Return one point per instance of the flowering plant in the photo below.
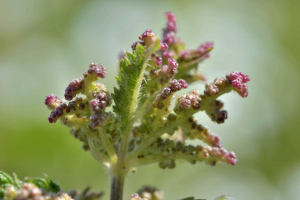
(143, 127)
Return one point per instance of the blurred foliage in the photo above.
(45, 44)
(43, 183)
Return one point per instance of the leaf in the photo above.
(5, 179)
(53, 187)
(46, 184)
(17, 181)
(129, 77)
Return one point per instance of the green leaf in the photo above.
(46, 184)
(5, 179)
(2, 193)
(53, 187)
(17, 181)
(129, 77)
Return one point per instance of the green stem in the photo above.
(105, 143)
(108, 146)
(100, 157)
(117, 185)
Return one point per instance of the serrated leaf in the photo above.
(17, 181)
(131, 68)
(46, 184)
(5, 179)
(131, 75)
(39, 182)
(53, 187)
(2, 193)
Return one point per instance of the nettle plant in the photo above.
(144, 128)
(148, 123)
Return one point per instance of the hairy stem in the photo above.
(117, 185)
(100, 157)
(107, 144)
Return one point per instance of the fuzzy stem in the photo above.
(108, 146)
(117, 185)
(100, 157)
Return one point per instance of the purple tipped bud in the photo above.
(238, 80)
(146, 34)
(158, 61)
(167, 54)
(171, 24)
(185, 104)
(147, 37)
(172, 63)
(164, 69)
(183, 83)
(185, 54)
(97, 120)
(98, 70)
(74, 88)
(52, 101)
(203, 48)
(169, 38)
(167, 91)
(163, 46)
(133, 46)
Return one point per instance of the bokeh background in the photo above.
(45, 44)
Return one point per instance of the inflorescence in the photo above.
(144, 127)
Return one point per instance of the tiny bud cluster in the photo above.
(101, 101)
(238, 80)
(176, 85)
(98, 70)
(58, 112)
(136, 197)
(97, 120)
(171, 29)
(163, 46)
(211, 89)
(171, 22)
(147, 39)
(158, 61)
(203, 48)
(74, 88)
(171, 69)
(197, 131)
(187, 100)
(219, 154)
(155, 61)
(167, 54)
(53, 101)
(151, 193)
(169, 38)
(30, 191)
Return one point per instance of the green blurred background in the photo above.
(45, 44)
